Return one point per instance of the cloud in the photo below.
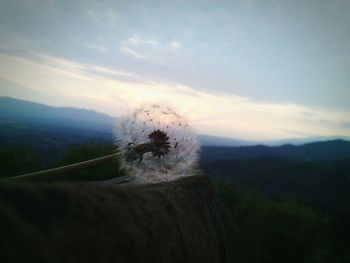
(346, 125)
(174, 45)
(95, 47)
(103, 89)
(137, 41)
(148, 49)
(132, 52)
(113, 74)
(268, 50)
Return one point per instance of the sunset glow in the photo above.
(228, 82)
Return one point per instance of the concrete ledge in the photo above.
(180, 221)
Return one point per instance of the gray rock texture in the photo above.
(179, 221)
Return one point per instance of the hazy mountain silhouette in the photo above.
(16, 113)
(20, 111)
(11, 108)
(328, 150)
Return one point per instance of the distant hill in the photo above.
(209, 140)
(14, 109)
(19, 118)
(49, 131)
(328, 150)
(15, 112)
(305, 140)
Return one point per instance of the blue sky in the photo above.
(248, 69)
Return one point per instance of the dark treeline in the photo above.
(21, 159)
(269, 231)
(286, 209)
(321, 184)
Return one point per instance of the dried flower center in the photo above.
(158, 146)
(160, 142)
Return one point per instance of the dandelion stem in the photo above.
(66, 168)
(144, 148)
(139, 150)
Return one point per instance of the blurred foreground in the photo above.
(180, 221)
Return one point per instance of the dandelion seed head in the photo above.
(157, 143)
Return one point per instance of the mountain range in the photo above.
(18, 112)
(327, 150)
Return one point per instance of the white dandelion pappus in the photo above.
(157, 144)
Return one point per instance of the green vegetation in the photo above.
(86, 152)
(21, 160)
(284, 231)
(321, 184)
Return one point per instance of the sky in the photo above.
(252, 69)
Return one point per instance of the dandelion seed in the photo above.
(158, 145)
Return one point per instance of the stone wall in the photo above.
(180, 221)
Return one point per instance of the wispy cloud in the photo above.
(113, 74)
(213, 113)
(95, 47)
(137, 41)
(277, 51)
(132, 52)
(174, 45)
(150, 50)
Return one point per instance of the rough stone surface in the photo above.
(179, 221)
